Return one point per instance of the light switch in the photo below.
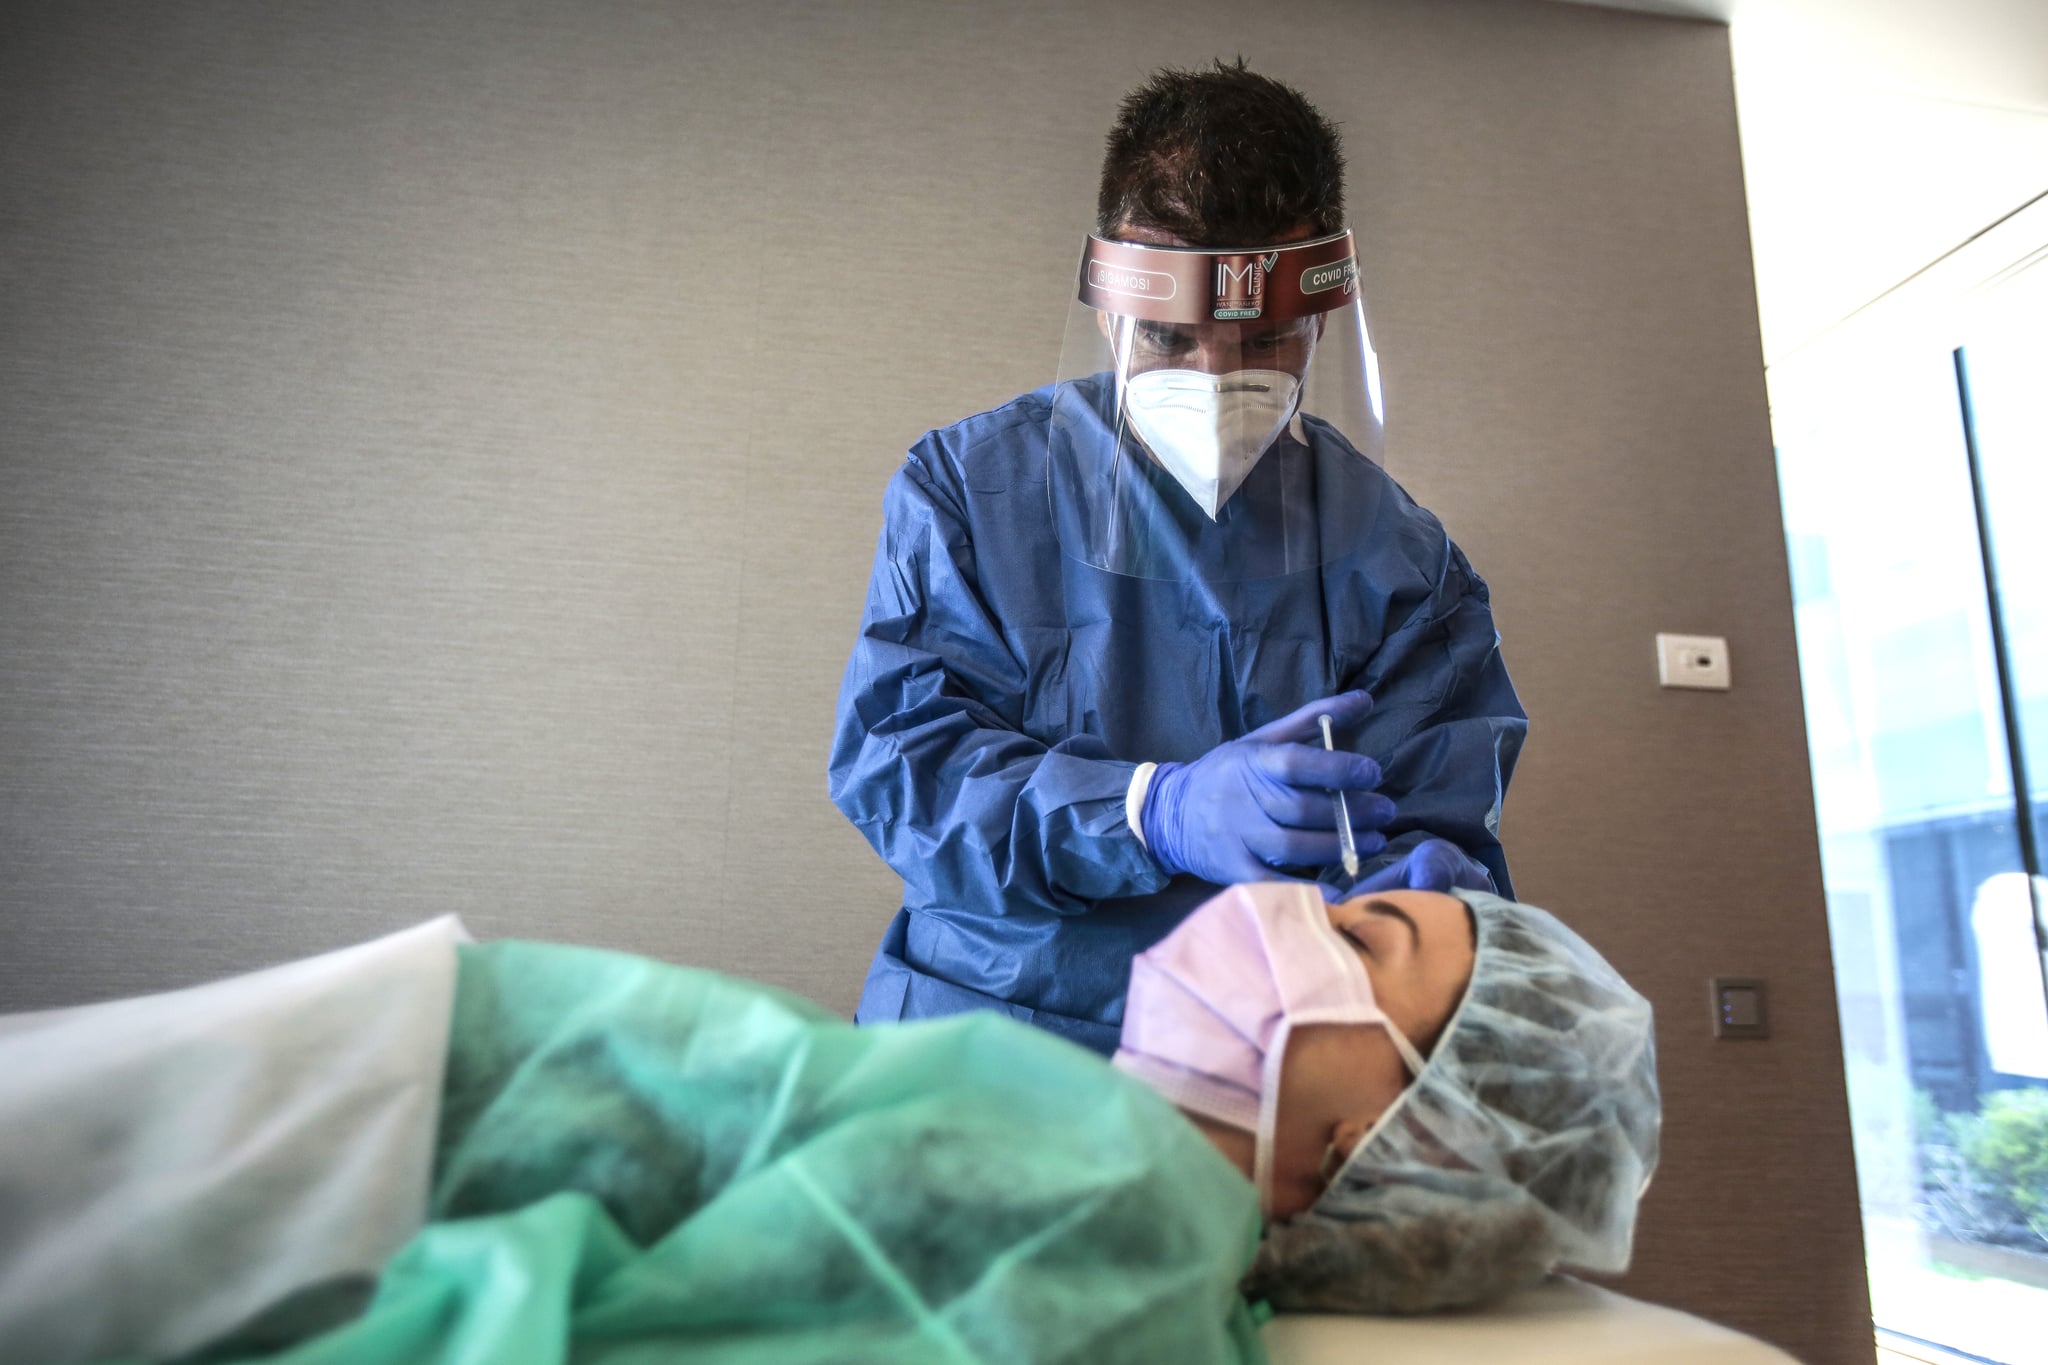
(1740, 1010)
(1692, 661)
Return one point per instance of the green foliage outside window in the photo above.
(1984, 1176)
(2007, 1149)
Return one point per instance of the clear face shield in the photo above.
(1217, 414)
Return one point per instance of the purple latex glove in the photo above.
(1432, 865)
(1254, 806)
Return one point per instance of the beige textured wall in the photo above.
(441, 451)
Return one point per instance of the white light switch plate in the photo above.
(1692, 661)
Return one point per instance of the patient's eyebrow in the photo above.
(1380, 907)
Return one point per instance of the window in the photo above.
(1913, 464)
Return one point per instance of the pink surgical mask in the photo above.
(1211, 1006)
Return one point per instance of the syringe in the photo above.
(1347, 843)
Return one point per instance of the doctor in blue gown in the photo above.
(1105, 618)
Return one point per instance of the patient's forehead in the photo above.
(1418, 948)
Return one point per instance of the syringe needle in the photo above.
(1347, 843)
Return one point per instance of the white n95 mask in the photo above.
(1208, 430)
(1212, 1004)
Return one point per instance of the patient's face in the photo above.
(1336, 1079)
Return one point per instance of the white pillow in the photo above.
(172, 1164)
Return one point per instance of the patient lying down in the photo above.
(1395, 1103)
(1439, 1098)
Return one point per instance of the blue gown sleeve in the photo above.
(1446, 725)
(930, 760)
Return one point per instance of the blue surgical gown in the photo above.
(1001, 694)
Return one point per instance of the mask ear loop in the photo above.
(1480, 954)
(1269, 1077)
(1276, 1054)
(1269, 1115)
(1410, 1057)
(1269, 1109)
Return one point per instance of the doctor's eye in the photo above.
(1162, 338)
(1273, 340)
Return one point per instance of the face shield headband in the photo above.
(1191, 286)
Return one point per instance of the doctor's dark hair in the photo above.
(1222, 157)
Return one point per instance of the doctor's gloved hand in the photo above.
(1432, 865)
(1252, 807)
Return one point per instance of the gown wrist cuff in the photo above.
(1134, 799)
